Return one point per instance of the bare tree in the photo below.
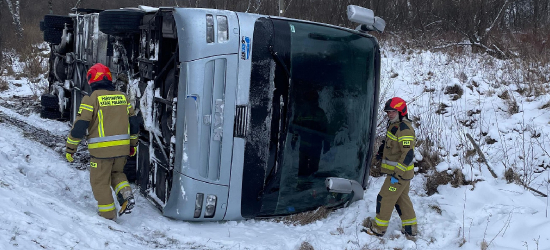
(14, 10)
(476, 20)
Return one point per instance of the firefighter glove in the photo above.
(394, 180)
(69, 157)
(133, 151)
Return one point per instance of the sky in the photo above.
(47, 203)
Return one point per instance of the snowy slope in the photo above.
(46, 203)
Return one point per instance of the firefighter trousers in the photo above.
(395, 195)
(104, 175)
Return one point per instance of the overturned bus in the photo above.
(242, 115)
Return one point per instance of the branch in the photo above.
(495, 21)
(451, 45)
(434, 22)
(454, 26)
(534, 190)
(75, 6)
(481, 154)
(491, 170)
(288, 5)
(258, 5)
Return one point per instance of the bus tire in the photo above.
(56, 21)
(50, 114)
(53, 35)
(120, 21)
(49, 101)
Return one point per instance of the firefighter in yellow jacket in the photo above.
(112, 128)
(397, 162)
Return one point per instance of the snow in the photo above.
(47, 203)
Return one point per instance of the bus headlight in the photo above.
(210, 206)
(198, 205)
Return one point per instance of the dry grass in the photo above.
(436, 208)
(306, 246)
(442, 109)
(484, 245)
(430, 158)
(31, 35)
(512, 104)
(34, 62)
(454, 91)
(511, 176)
(4, 85)
(490, 140)
(455, 178)
(305, 217)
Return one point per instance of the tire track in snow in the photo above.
(42, 136)
(46, 138)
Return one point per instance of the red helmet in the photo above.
(99, 72)
(397, 104)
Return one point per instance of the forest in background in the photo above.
(502, 28)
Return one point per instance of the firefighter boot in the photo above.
(126, 204)
(369, 229)
(410, 230)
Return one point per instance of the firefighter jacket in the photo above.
(112, 127)
(398, 156)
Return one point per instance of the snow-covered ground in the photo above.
(47, 203)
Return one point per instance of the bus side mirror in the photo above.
(345, 186)
(366, 18)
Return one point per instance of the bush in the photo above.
(454, 91)
(456, 178)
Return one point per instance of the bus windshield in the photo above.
(329, 113)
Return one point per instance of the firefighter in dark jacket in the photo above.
(112, 127)
(397, 162)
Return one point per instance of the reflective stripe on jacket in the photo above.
(109, 118)
(398, 155)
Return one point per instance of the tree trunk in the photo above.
(14, 11)
(282, 7)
